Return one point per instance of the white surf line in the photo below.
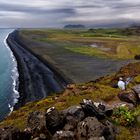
(14, 76)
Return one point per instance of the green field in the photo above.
(106, 43)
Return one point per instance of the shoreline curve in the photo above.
(37, 79)
(15, 77)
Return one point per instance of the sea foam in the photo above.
(14, 76)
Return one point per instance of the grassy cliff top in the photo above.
(99, 90)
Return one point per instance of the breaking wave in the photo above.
(15, 77)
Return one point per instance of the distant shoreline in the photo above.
(36, 79)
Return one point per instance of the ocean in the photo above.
(8, 76)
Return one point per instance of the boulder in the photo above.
(63, 135)
(120, 103)
(89, 128)
(73, 115)
(104, 108)
(41, 133)
(137, 57)
(73, 111)
(128, 96)
(70, 126)
(136, 89)
(93, 109)
(110, 130)
(11, 133)
(25, 135)
(54, 120)
(36, 119)
(109, 112)
(36, 123)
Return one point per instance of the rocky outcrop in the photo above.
(128, 96)
(64, 135)
(136, 89)
(137, 57)
(10, 133)
(36, 124)
(72, 116)
(90, 128)
(54, 120)
(86, 122)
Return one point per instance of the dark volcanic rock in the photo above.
(70, 124)
(54, 120)
(73, 115)
(136, 89)
(121, 103)
(137, 57)
(37, 124)
(110, 130)
(92, 109)
(74, 111)
(90, 128)
(128, 96)
(36, 119)
(11, 133)
(41, 133)
(63, 135)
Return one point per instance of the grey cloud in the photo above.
(46, 13)
(29, 9)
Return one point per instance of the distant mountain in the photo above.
(135, 26)
(70, 26)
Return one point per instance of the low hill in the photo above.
(70, 26)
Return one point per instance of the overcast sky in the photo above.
(57, 13)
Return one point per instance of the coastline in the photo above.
(36, 80)
(39, 77)
(15, 76)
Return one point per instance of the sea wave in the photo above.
(14, 76)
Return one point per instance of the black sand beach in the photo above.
(36, 80)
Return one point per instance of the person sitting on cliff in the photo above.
(121, 84)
